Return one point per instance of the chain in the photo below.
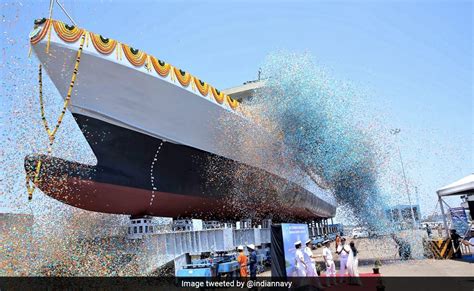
(52, 133)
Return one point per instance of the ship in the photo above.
(155, 129)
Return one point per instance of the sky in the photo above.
(412, 58)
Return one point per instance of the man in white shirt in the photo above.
(343, 252)
(330, 266)
(300, 265)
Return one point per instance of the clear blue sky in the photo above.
(414, 58)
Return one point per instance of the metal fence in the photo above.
(157, 249)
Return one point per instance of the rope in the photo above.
(52, 133)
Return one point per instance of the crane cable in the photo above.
(52, 133)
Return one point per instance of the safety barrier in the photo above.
(439, 248)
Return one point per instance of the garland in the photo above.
(202, 87)
(232, 102)
(44, 30)
(106, 46)
(162, 68)
(184, 78)
(52, 133)
(134, 56)
(218, 95)
(102, 44)
(68, 33)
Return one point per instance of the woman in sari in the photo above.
(353, 265)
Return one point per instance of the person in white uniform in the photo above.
(308, 260)
(300, 265)
(343, 251)
(330, 266)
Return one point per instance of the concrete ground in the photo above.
(385, 250)
(424, 268)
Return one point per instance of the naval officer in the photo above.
(308, 260)
(343, 251)
(300, 265)
(330, 266)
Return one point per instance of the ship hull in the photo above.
(154, 136)
(185, 182)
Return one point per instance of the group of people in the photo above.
(250, 262)
(305, 264)
(305, 260)
(348, 261)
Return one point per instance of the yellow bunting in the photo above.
(68, 33)
(232, 102)
(183, 77)
(103, 45)
(44, 30)
(218, 95)
(202, 87)
(162, 68)
(134, 56)
(52, 133)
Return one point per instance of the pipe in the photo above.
(440, 200)
(65, 12)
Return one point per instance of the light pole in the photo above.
(396, 131)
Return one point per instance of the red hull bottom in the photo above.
(108, 198)
(116, 199)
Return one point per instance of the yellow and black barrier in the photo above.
(439, 248)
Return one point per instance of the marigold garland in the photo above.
(68, 33)
(134, 56)
(218, 95)
(102, 44)
(183, 77)
(162, 68)
(44, 30)
(203, 87)
(52, 133)
(232, 102)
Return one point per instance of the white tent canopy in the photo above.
(460, 187)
